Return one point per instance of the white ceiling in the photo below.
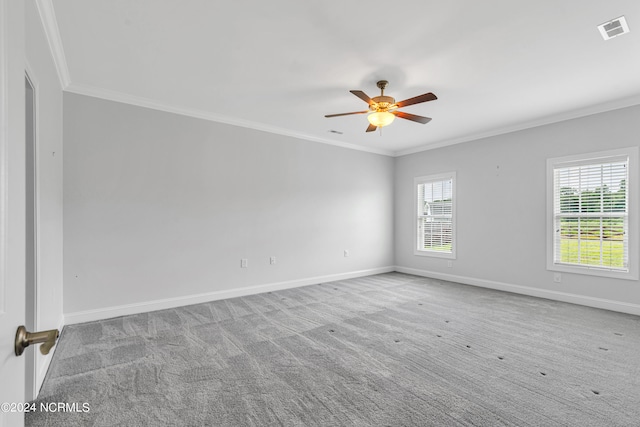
(281, 65)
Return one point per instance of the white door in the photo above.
(12, 208)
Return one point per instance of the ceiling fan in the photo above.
(383, 109)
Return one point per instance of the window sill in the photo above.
(593, 271)
(435, 254)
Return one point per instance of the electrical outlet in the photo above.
(346, 253)
(244, 263)
(449, 264)
(557, 277)
(272, 260)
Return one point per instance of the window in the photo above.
(435, 215)
(593, 218)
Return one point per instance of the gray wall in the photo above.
(49, 177)
(161, 206)
(501, 208)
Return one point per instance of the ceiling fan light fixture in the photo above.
(381, 118)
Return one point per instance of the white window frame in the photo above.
(633, 212)
(435, 178)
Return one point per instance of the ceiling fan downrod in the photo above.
(382, 85)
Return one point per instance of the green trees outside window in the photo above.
(592, 222)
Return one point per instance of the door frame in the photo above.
(32, 295)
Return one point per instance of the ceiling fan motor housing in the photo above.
(381, 103)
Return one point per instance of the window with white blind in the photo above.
(593, 218)
(435, 215)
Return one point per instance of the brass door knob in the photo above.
(24, 339)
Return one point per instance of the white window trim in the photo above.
(432, 178)
(633, 214)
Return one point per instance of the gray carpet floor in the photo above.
(385, 350)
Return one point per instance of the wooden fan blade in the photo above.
(371, 128)
(347, 114)
(360, 94)
(416, 100)
(412, 117)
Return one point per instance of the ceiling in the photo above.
(280, 66)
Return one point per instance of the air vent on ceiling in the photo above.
(614, 28)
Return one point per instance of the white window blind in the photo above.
(435, 214)
(591, 213)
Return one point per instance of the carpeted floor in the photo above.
(384, 350)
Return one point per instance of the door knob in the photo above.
(25, 339)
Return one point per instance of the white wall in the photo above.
(501, 209)
(49, 178)
(159, 208)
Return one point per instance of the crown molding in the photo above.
(52, 33)
(556, 118)
(110, 95)
(206, 115)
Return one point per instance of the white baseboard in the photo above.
(142, 307)
(43, 367)
(606, 304)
